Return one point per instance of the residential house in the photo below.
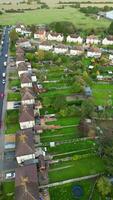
(26, 183)
(19, 59)
(26, 118)
(26, 80)
(25, 149)
(45, 46)
(94, 52)
(76, 50)
(40, 35)
(22, 68)
(53, 36)
(111, 59)
(60, 49)
(110, 56)
(23, 43)
(108, 40)
(19, 50)
(27, 95)
(21, 29)
(92, 39)
(74, 38)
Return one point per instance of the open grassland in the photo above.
(50, 15)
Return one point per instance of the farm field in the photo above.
(46, 16)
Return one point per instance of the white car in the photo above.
(5, 63)
(10, 175)
(6, 55)
(3, 81)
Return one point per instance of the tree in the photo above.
(110, 28)
(77, 88)
(64, 27)
(41, 54)
(106, 148)
(104, 186)
(86, 78)
(59, 103)
(87, 108)
(33, 29)
(13, 37)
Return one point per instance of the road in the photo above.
(4, 51)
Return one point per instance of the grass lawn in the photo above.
(49, 96)
(65, 192)
(43, 16)
(66, 121)
(14, 82)
(83, 167)
(12, 121)
(59, 135)
(75, 146)
(8, 190)
(50, 86)
(101, 93)
(14, 96)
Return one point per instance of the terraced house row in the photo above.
(32, 168)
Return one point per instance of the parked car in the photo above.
(10, 175)
(1, 95)
(17, 104)
(3, 81)
(3, 75)
(5, 63)
(15, 89)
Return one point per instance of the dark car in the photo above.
(17, 104)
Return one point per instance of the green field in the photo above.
(43, 16)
